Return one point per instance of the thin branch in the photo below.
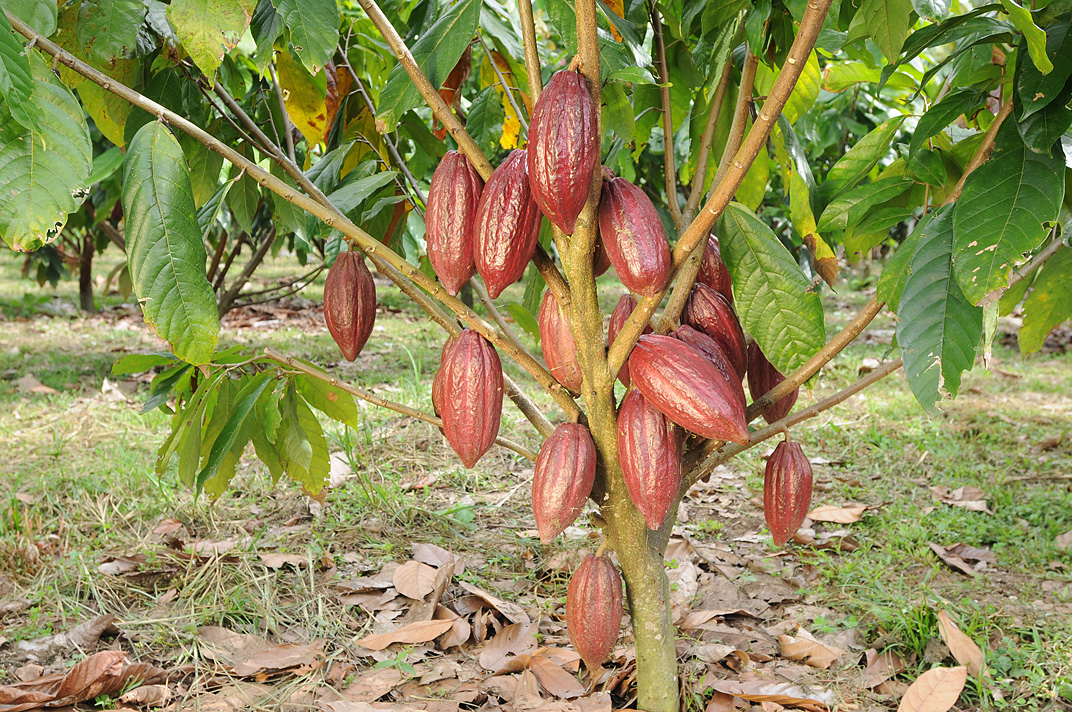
(364, 395)
(295, 287)
(308, 276)
(503, 83)
(669, 169)
(532, 50)
(288, 133)
(701, 226)
(983, 152)
(704, 152)
(1035, 263)
(112, 234)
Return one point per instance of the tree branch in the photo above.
(982, 153)
(287, 130)
(704, 152)
(364, 395)
(669, 169)
(532, 50)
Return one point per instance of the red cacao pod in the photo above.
(714, 353)
(649, 451)
(713, 270)
(786, 490)
(507, 225)
(350, 303)
(687, 388)
(710, 312)
(622, 310)
(470, 395)
(594, 609)
(763, 376)
(557, 344)
(563, 148)
(449, 219)
(634, 237)
(565, 473)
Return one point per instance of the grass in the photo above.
(78, 486)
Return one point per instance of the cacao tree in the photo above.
(726, 158)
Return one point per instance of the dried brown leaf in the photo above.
(720, 702)
(278, 561)
(418, 632)
(936, 690)
(299, 658)
(438, 557)
(1064, 541)
(952, 561)
(414, 579)
(514, 612)
(147, 696)
(839, 515)
(783, 693)
(527, 694)
(879, 667)
(226, 646)
(963, 648)
(514, 639)
(807, 649)
(372, 685)
(554, 680)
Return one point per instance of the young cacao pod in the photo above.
(713, 270)
(507, 225)
(786, 490)
(563, 148)
(594, 609)
(470, 394)
(714, 353)
(565, 472)
(350, 303)
(687, 388)
(622, 310)
(710, 312)
(449, 220)
(763, 376)
(649, 452)
(557, 344)
(634, 237)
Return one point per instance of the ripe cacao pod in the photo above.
(449, 220)
(649, 452)
(687, 388)
(507, 225)
(594, 609)
(714, 353)
(470, 395)
(634, 237)
(763, 376)
(710, 312)
(713, 270)
(350, 303)
(563, 148)
(557, 344)
(622, 310)
(786, 490)
(565, 472)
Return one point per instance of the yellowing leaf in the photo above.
(305, 97)
(209, 29)
(488, 77)
(362, 131)
(618, 8)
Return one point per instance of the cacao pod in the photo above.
(557, 344)
(634, 237)
(350, 303)
(563, 148)
(649, 452)
(470, 396)
(601, 259)
(594, 609)
(449, 219)
(714, 353)
(565, 473)
(763, 376)
(507, 225)
(687, 388)
(786, 490)
(710, 312)
(622, 310)
(713, 270)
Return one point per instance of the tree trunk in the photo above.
(85, 275)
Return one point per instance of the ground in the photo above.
(91, 537)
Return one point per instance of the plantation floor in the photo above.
(100, 554)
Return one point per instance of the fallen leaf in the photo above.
(438, 557)
(147, 696)
(82, 636)
(29, 672)
(963, 648)
(839, 515)
(1064, 541)
(808, 650)
(28, 499)
(418, 632)
(225, 646)
(514, 639)
(720, 702)
(784, 693)
(527, 694)
(29, 384)
(213, 547)
(117, 565)
(372, 685)
(554, 680)
(970, 498)
(168, 526)
(278, 561)
(936, 690)
(947, 555)
(414, 579)
(514, 612)
(277, 658)
(880, 667)
(104, 673)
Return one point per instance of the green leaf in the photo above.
(236, 420)
(265, 26)
(1043, 128)
(41, 15)
(851, 207)
(524, 318)
(188, 418)
(1049, 303)
(1001, 215)
(43, 171)
(939, 330)
(314, 29)
(436, 53)
(485, 120)
(631, 75)
(806, 90)
(244, 196)
(754, 186)
(888, 22)
(1033, 35)
(304, 443)
(164, 248)
(165, 88)
(351, 195)
(872, 230)
(861, 158)
(892, 280)
(16, 83)
(140, 363)
(1036, 89)
(931, 9)
(108, 29)
(209, 29)
(941, 115)
(927, 166)
(330, 400)
(770, 291)
(618, 112)
(205, 166)
(105, 165)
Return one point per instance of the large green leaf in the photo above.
(872, 230)
(1043, 128)
(1001, 215)
(209, 29)
(330, 400)
(436, 52)
(1033, 35)
(234, 433)
(851, 207)
(485, 120)
(1049, 303)
(354, 192)
(314, 29)
(16, 84)
(941, 115)
(888, 22)
(43, 171)
(165, 88)
(861, 158)
(892, 280)
(302, 440)
(770, 291)
(1036, 89)
(164, 248)
(108, 29)
(41, 15)
(939, 330)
